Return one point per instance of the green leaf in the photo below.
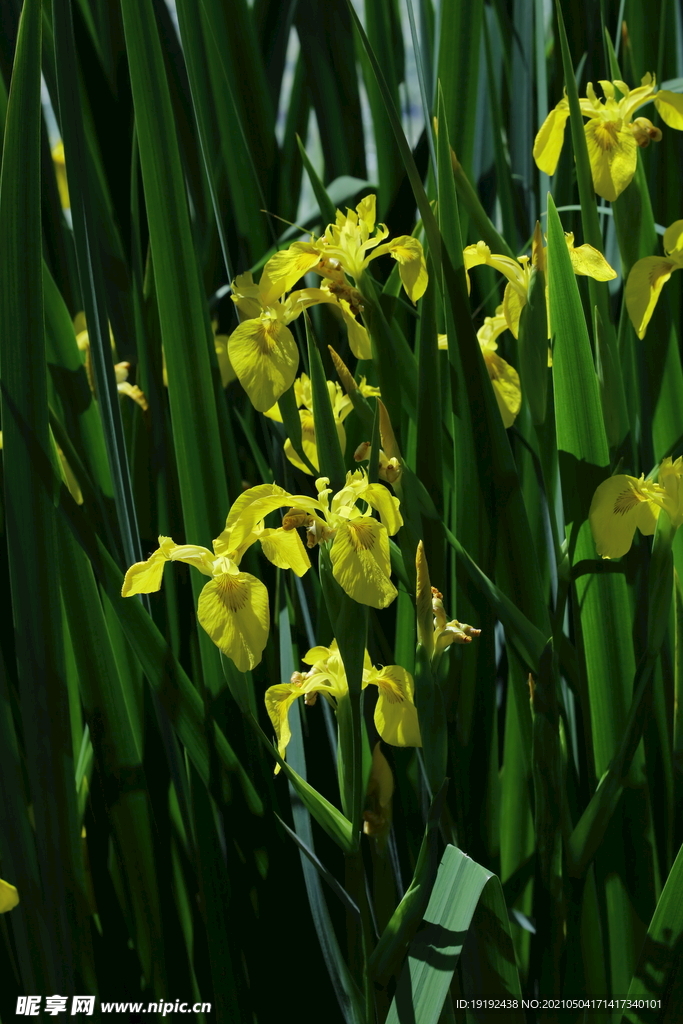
(330, 456)
(30, 534)
(389, 951)
(347, 993)
(466, 905)
(658, 974)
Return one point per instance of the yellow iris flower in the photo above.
(586, 261)
(395, 711)
(233, 606)
(262, 350)
(9, 897)
(504, 378)
(649, 275)
(347, 247)
(341, 407)
(623, 504)
(359, 549)
(612, 136)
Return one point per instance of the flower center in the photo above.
(362, 536)
(607, 135)
(233, 592)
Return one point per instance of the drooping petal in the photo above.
(673, 237)
(505, 380)
(513, 304)
(234, 612)
(589, 262)
(613, 156)
(550, 137)
(670, 108)
(384, 502)
(285, 268)
(9, 897)
(146, 577)
(408, 253)
(643, 288)
(265, 357)
(285, 549)
(361, 563)
(395, 713)
(359, 339)
(279, 700)
(619, 507)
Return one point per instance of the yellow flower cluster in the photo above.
(233, 606)
(262, 349)
(395, 711)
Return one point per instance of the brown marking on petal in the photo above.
(391, 693)
(362, 536)
(627, 501)
(607, 135)
(233, 593)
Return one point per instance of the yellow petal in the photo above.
(673, 237)
(273, 413)
(513, 304)
(285, 549)
(247, 498)
(384, 502)
(407, 251)
(9, 897)
(613, 155)
(285, 268)
(505, 380)
(359, 339)
(133, 392)
(256, 511)
(670, 108)
(145, 577)
(265, 357)
(279, 700)
(548, 143)
(361, 563)
(617, 508)
(643, 288)
(319, 653)
(234, 612)
(192, 554)
(366, 211)
(395, 714)
(589, 262)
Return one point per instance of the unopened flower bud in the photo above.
(362, 452)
